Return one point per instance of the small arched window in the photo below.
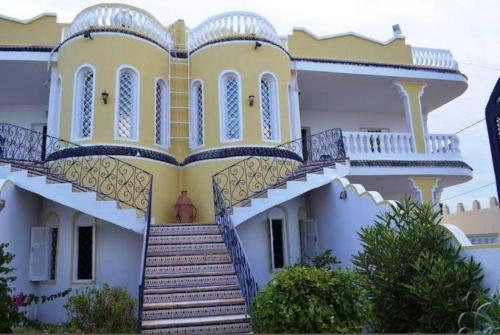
(83, 103)
(196, 121)
(269, 110)
(127, 104)
(161, 113)
(231, 115)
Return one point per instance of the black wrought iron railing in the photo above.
(109, 177)
(256, 174)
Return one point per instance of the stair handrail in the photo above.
(260, 174)
(110, 177)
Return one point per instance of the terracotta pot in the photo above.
(185, 212)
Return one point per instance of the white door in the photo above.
(309, 238)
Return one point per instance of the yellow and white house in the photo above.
(106, 119)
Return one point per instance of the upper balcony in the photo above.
(433, 58)
(121, 18)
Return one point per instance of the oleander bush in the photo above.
(414, 276)
(484, 317)
(101, 310)
(311, 299)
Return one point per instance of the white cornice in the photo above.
(26, 21)
(349, 33)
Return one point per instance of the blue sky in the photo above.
(469, 28)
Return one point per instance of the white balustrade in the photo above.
(232, 24)
(437, 58)
(368, 145)
(123, 17)
(442, 144)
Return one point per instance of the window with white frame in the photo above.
(161, 113)
(196, 121)
(269, 108)
(84, 103)
(231, 107)
(127, 104)
(84, 249)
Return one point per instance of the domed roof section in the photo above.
(120, 17)
(232, 24)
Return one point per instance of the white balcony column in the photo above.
(294, 108)
(411, 93)
(427, 189)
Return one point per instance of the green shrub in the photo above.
(484, 317)
(414, 276)
(105, 310)
(304, 299)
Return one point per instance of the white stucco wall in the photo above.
(254, 235)
(340, 220)
(489, 257)
(23, 115)
(320, 120)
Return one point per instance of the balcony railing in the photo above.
(437, 58)
(368, 145)
(122, 17)
(232, 24)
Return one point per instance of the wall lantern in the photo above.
(105, 96)
(343, 195)
(87, 34)
(2, 204)
(257, 45)
(251, 99)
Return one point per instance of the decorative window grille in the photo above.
(127, 105)
(161, 110)
(498, 126)
(197, 128)
(53, 252)
(269, 108)
(84, 103)
(231, 107)
(85, 253)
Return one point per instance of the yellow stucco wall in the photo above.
(43, 30)
(210, 62)
(349, 47)
(427, 186)
(478, 221)
(413, 92)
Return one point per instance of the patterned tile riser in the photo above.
(187, 269)
(184, 230)
(210, 329)
(191, 296)
(188, 259)
(185, 239)
(186, 249)
(192, 281)
(193, 312)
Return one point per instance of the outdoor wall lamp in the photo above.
(87, 34)
(257, 45)
(251, 99)
(2, 204)
(343, 195)
(105, 96)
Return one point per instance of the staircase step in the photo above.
(148, 291)
(184, 229)
(210, 320)
(192, 296)
(230, 328)
(197, 303)
(186, 270)
(159, 314)
(185, 249)
(191, 281)
(183, 239)
(188, 259)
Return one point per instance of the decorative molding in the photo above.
(233, 39)
(345, 34)
(27, 48)
(410, 163)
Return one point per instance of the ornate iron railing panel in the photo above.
(109, 177)
(254, 175)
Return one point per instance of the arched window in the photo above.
(196, 121)
(230, 104)
(83, 103)
(161, 113)
(269, 110)
(127, 104)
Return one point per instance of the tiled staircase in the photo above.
(190, 284)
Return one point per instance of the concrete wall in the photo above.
(320, 120)
(340, 220)
(488, 256)
(254, 235)
(23, 115)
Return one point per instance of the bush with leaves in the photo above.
(415, 277)
(11, 316)
(311, 299)
(105, 310)
(484, 317)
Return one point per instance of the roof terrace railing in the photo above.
(437, 58)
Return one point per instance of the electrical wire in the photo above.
(471, 125)
(470, 191)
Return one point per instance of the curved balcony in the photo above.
(122, 17)
(232, 24)
(436, 58)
